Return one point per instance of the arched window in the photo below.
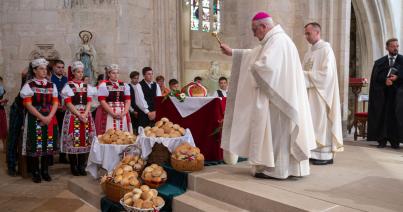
(201, 18)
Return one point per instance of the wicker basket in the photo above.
(134, 209)
(159, 155)
(186, 165)
(115, 191)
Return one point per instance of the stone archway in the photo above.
(46, 51)
(374, 27)
(371, 26)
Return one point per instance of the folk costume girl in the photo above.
(40, 98)
(3, 118)
(114, 98)
(78, 127)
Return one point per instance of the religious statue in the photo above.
(213, 75)
(214, 72)
(87, 55)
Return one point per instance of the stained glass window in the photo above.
(204, 9)
(194, 23)
(216, 15)
(206, 15)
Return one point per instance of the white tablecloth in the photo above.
(103, 155)
(190, 105)
(147, 143)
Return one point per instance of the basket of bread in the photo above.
(125, 177)
(112, 136)
(187, 158)
(154, 176)
(164, 129)
(142, 199)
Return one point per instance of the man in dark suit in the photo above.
(385, 109)
(134, 110)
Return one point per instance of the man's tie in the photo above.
(391, 61)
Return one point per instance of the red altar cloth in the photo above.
(202, 123)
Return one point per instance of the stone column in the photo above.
(167, 30)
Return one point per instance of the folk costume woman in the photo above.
(40, 131)
(114, 98)
(78, 127)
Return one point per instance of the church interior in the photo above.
(180, 39)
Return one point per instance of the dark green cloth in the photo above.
(108, 206)
(176, 185)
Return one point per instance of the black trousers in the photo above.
(135, 124)
(60, 117)
(14, 134)
(143, 120)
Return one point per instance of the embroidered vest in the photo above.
(42, 98)
(149, 94)
(116, 93)
(80, 94)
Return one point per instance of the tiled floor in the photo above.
(19, 194)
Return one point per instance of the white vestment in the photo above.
(267, 117)
(320, 72)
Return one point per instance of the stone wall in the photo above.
(123, 33)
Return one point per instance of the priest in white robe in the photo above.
(323, 93)
(268, 119)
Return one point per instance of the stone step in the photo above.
(195, 202)
(237, 188)
(87, 189)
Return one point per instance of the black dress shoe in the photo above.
(263, 176)
(381, 145)
(36, 177)
(396, 146)
(322, 162)
(312, 159)
(46, 176)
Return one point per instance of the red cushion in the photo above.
(362, 114)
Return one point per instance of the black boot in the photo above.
(381, 144)
(73, 164)
(11, 171)
(394, 144)
(44, 168)
(34, 165)
(82, 161)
